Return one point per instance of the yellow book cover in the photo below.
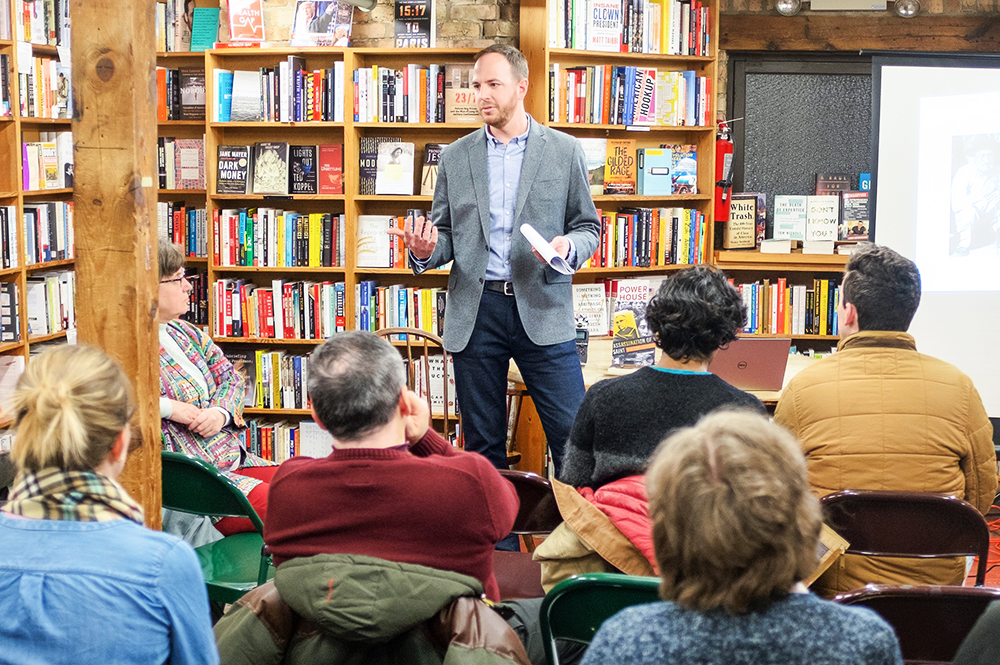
(619, 172)
(824, 298)
(259, 377)
(315, 239)
(279, 224)
(276, 363)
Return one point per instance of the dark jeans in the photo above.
(552, 376)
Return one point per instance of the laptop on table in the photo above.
(751, 363)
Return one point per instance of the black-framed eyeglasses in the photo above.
(183, 277)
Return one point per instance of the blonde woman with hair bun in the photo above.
(81, 579)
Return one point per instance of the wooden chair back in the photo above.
(417, 347)
(538, 513)
(908, 524)
(930, 621)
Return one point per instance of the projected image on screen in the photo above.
(958, 192)
(975, 196)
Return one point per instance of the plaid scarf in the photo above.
(76, 496)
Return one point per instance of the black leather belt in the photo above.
(506, 288)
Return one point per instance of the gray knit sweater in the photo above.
(799, 629)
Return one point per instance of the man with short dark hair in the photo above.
(393, 488)
(878, 415)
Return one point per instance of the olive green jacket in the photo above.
(351, 609)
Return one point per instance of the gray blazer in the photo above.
(553, 195)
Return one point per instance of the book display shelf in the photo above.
(31, 268)
(540, 46)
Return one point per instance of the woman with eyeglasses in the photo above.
(81, 579)
(201, 395)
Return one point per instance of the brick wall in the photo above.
(460, 23)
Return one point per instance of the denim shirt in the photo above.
(103, 593)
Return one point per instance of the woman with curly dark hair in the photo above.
(622, 420)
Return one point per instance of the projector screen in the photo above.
(937, 201)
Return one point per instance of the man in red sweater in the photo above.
(393, 488)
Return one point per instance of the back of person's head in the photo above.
(171, 259)
(883, 286)
(734, 521)
(355, 380)
(69, 406)
(694, 313)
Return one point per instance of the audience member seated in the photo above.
(982, 645)
(878, 415)
(81, 579)
(736, 529)
(347, 609)
(393, 488)
(622, 421)
(201, 395)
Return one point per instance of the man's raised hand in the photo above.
(419, 236)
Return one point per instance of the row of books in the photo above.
(841, 216)
(275, 379)
(285, 310)
(286, 93)
(6, 103)
(279, 441)
(47, 163)
(8, 237)
(416, 93)
(197, 300)
(650, 237)
(44, 89)
(670, 27)
(398, 306)
(180, 93)
(275, 238)
(50, 302)
(387, 166)
(626, 95)
(375, 247)
(181, 163)
(48, 231)
(616, 166)
(174, 24)
(279, 169)
(43, 21)
(780, 308)
(184, 225)
(10, 321)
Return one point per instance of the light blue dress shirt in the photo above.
(503, 164)
(113, 593)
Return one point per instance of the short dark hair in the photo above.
(695, 312)
(884, 287)
(518, 63)
(355, 379)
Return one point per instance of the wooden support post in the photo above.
(114, 201)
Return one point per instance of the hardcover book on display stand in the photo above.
(619, 171)
(415, 24)
(192, 93)
(394, 170)
(428, 178)
(331, 168)
(303, 176)
(854, 216)
(595, 154)
(368, 161)
(459, 97)
(270, 168)
(373, 240)
(685, 167)
(233, 169)
(832, 183)
(322, 23)
(741, 229)
(632, 343)
(590, 309)
(822, 217)
(790, 217)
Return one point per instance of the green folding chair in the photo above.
(237, 563)
(575, 608)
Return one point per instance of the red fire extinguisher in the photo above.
(723, 172)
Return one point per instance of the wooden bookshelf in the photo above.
(16, 129)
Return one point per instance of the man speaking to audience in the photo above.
(503, 301)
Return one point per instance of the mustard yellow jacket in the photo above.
(877, 415)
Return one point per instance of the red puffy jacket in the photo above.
(624, 502)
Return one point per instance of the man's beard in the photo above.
(503, 114)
